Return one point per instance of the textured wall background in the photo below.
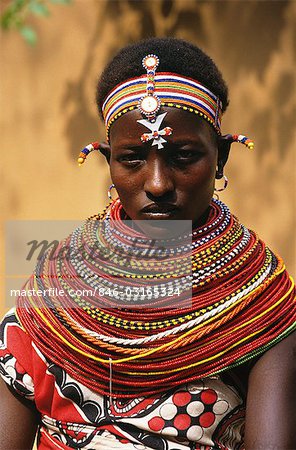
(49, 113)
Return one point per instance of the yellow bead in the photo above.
(80, 161)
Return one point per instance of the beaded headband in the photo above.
(149, 92)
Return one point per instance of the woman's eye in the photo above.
(184, 155)
(131, 159)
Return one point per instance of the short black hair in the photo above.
(175, 55)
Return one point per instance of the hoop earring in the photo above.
(109, 192)
(225, 184)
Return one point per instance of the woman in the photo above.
(214, 372)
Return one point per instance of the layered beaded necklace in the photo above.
(147, 343)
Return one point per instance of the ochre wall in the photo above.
(49, 113)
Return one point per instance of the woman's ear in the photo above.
(105, 149)
(224, 144)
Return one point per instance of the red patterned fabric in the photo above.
(206, 415)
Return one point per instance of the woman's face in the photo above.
(175, 182)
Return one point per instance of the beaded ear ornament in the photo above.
(149, 106)
(241, 139)
(86, 151)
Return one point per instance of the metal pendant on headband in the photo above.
(156, 134)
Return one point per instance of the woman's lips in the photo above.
(159, 211)
(159, 216)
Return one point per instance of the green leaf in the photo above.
(12, 13)
(29, 35)
(39, 9)
(7, 20)
(16, 13)
(62, 2)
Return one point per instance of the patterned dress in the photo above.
(206, 415)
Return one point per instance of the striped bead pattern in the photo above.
(173, 90)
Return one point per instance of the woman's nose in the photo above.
(158, 181)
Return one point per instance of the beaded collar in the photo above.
(240, 295)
